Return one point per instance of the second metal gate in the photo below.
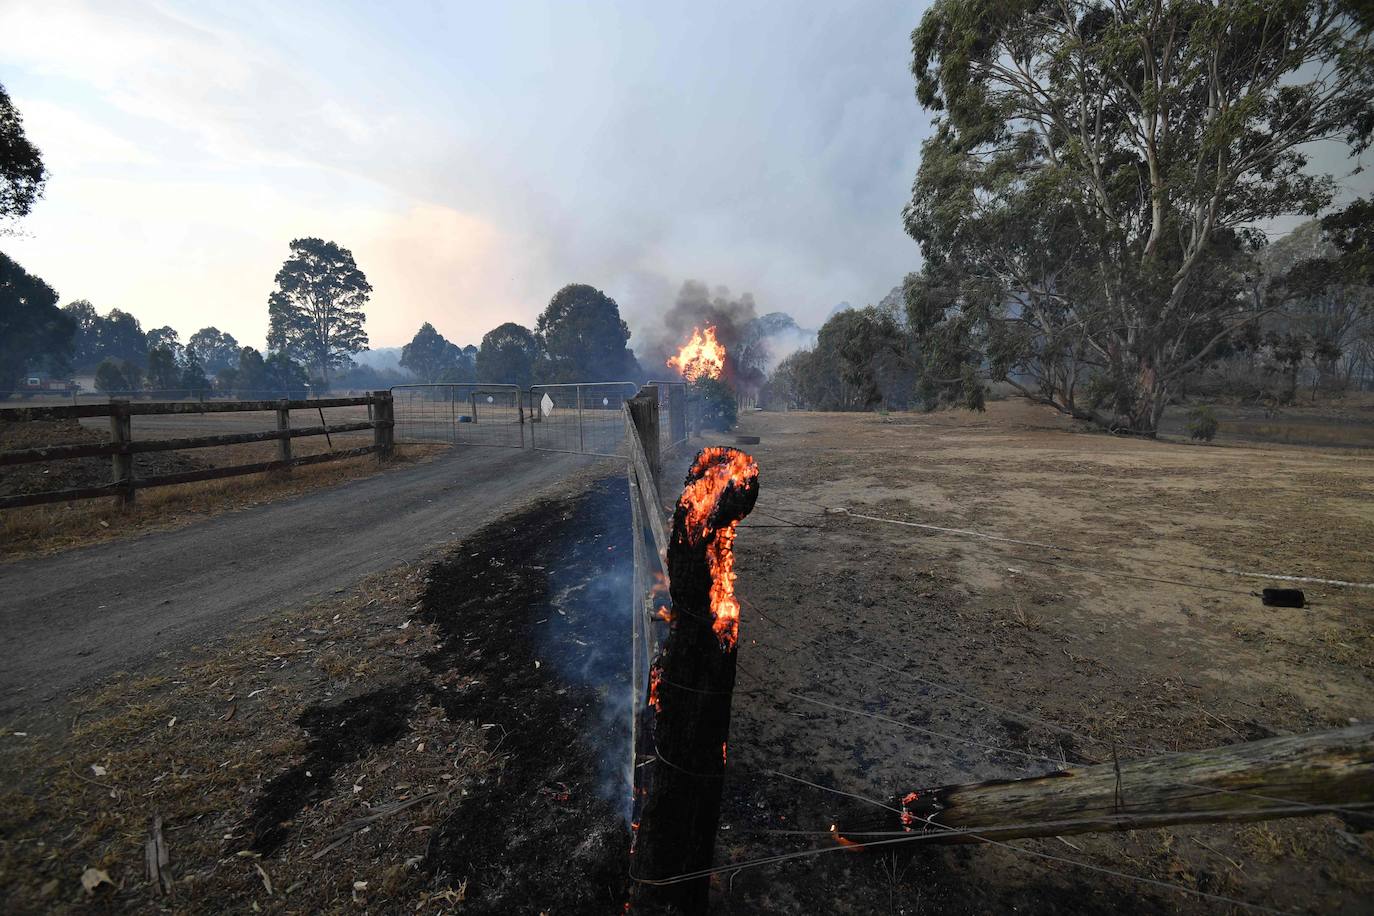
(585, 418)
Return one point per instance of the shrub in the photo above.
(1202, 424)
(718, 407)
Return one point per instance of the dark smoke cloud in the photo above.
(698, 306)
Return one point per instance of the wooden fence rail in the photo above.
(122, 447)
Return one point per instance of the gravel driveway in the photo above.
(80, 615)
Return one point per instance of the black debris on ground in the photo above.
(533, 618)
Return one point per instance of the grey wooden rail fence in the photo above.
(122, 446)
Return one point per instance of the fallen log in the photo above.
(691, 682)
(1291, 776)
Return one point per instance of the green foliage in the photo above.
(277, 375)
(1203, 423)
(315, 315)
(286, 375)
(432, 358)
(166, 337)
(507, 355)
(1083, 205)
(120, 336)
(193, 376)
(22, 174)
(582, 337)
(117, 376)
(216, 349)
(86, 332)
(33, 330)
(862, 358)
(163, 372)
(719, 409)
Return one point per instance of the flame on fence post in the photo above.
(691, 682)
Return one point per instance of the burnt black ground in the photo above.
(533, 614)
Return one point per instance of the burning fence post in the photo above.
(691, 684)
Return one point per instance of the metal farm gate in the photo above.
(585, 418)
(461, 413)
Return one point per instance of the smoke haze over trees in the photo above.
(1086, 214)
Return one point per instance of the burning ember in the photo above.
(655, 678)
(715, 471)
(701, 357)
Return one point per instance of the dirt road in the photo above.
(87, 613)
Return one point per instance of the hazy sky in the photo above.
(474, 156)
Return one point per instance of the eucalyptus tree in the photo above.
(1095, 176)
(316, 312)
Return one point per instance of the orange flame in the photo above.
(701, 357)
(849, 844)
(655, 678)
(699, 500)
(908, 819)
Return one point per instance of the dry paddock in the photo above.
(939, 658)
(879, 658)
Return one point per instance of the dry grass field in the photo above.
(875, 658)
(1111, 628)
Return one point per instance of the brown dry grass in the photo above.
(61, 526)
(195, 742)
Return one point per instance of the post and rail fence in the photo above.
(122, 446)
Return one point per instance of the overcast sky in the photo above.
(475, 157)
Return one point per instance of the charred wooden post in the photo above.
(691, 684)
(643, 408)
(1292, 776)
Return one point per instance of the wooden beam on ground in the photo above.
(1292, 776)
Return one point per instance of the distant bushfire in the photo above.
(701, 357)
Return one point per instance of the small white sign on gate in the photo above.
(546, 404)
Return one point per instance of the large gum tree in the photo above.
(316, 312)
(1087, 204)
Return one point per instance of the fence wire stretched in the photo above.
(464, 414)
(585, 418)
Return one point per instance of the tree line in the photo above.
(1087, 211)
(315, 317)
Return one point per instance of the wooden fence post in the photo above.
(1291, 776)
(384, 432)
(644, 412)
(691, 684)
(284, 434)
(122, 461)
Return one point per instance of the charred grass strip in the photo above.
(430, 739)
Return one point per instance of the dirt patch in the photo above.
(71, 473)
(876, 658)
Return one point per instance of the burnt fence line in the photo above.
(122, 447)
